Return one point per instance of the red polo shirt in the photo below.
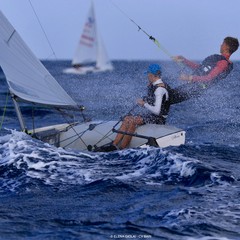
(218, 69)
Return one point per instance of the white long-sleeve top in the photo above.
(159, 93)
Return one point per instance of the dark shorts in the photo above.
(151, 118)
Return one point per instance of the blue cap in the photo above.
(153, 68)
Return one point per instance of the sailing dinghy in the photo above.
(29, 81)
(90, 55)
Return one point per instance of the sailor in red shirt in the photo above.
(212, 68)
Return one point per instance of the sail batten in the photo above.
(11, 35)
(26, 76)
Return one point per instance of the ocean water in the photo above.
(186, 192)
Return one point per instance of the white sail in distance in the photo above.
(90, 48)
(26, 76)
(103, 61)
(87, 46)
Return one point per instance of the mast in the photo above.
(19, 114)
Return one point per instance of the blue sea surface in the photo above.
(187, 192)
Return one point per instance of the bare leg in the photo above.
(129, 125)
(122, 128)
(127, 138)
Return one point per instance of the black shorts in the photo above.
(154, 119)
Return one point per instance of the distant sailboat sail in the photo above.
(87, 46)
(27, 78)
(90, 49)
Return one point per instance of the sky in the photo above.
(192, 28)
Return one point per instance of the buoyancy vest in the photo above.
(151, 98)
(209, 63)
(187, 91)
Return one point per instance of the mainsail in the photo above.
(87, 46)
(103, 61)
(90, 48)
(26, 76)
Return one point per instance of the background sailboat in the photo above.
(91, 54)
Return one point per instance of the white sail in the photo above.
(90, 49)
(103, 61)
(87, 46)
(27, 78)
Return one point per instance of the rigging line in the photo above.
(160, 46)
(129, 112)
(77, 137)
(106, 136)
(4, 111)
(33, 122)
(49, 43)
(83, 132)
(139, 28)
(72, 127)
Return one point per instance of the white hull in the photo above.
(85, 70)
(96, 134)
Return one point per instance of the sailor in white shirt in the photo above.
(156, 102)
